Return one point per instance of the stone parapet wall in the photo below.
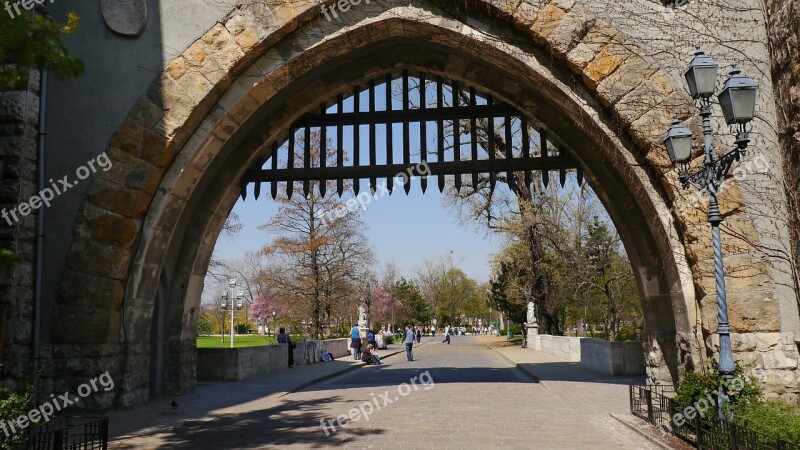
(563, 347)
(234, 364)
(613, 358)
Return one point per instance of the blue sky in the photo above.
(404, 229)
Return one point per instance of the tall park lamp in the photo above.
(737, 101)
(228, 303)
(368, 302)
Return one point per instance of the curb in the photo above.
(522, 368)
(644, 430)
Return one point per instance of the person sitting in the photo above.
(371, 356)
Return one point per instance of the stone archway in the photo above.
(208, 116)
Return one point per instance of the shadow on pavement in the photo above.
(291, 423)
(575, 372)
(392, 375)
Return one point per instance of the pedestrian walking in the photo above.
(284, 338)
(419, 335)
(524, 334)
(355, 342)
(447, 332)
(409, 341)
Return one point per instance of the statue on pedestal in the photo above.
(362, 317)
(532, 315)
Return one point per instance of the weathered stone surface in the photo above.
(175, 102)
(630, 74)
(603, 65)
(16, 146)
(81, 289)
(547, 20)
(107, 227)
(223, 47)
(146, 113)
(252, 25)
(753, 313)
(99, 259)
(157, 150)
(571, 30)
(119, 199)
(15, 104)
(85, 325)
(128, 137)
(131, 171)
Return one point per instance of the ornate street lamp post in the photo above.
(228, 303)
(738, 101)
(368, 301)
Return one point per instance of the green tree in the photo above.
(415, 309)
(460, 297)
(32, 41)
(505, 290)
(608, 279)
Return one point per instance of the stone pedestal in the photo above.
(531, 340)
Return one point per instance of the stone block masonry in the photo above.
(19, 120)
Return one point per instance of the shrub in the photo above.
(628, 333)
(15, 403)
(774, 418)
(389, 340)
(204, 326)
(695, 385)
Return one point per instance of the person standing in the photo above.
(409, 341)
(370, 338)
(446, 335)
(419, 335)
(284, 338)
(355, 342)
(524, 334)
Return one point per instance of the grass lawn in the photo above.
(247, 340)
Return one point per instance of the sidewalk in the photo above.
(585, 387)
(592, 392)
(213, 399)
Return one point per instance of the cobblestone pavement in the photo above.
(462, 396)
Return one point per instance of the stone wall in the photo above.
(19, 120)
(562, 347)
(233, 364)
(613, 358)
(779, 351)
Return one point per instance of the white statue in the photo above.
(531, 314)
(362, 317)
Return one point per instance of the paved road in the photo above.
(462, 396)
